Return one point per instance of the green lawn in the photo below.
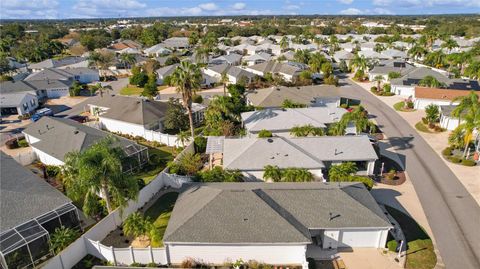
(422, 127)
(420, 252)
(400, 106)
(160, 213)
(135, 90)
(159, 157)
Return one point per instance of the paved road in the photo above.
(452, 213)
(81, 107)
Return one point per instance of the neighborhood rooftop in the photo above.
(269, 212)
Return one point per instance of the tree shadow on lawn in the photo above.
(160, 213)
(420, 251)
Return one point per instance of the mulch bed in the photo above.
(386, 178)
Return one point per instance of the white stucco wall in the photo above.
(449, 123)
(420, 103)
(122, 127)
(45, 158)
(27, 100)
(56, 93)
(219, 254)
(405, 91)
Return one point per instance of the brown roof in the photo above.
(440, 94)
(119, 46)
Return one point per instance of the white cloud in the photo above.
(427, 3)
(33, 9)
(346, 2)
(239, 6)
(208, 6)
(291, 7)
(351, 11)
(108, 8)
(382, 11)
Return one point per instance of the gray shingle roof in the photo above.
(14, 99)
(23, 195)
(245, 213)
(60, 136)
(166, 70)
(51, 74)
(55, 63)
(16, 87)
(284, 119)
(417, 74)
(275, 67)
(274, 96)
(300, 152)
(238, 72)
(131, 109)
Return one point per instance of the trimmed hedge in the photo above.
(468, 162)
(454, 159)
(392, 245)
(447, 152)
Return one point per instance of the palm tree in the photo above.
(183, 137)
(359, 63)
(272, 172)
(316, 62)
(358, 117)
(333, 44)
(306, 130)
(436, 59)
(431, 82)
(379, 80)
(187, 78)
(284, 43)
(127, 59)
(95, 170)
(469, 107)
(136, 225)
(417, 52)
(224, 79)
(342, 171)
(473, 70)
(61, 238)
(302, 56)
(201, 54)
(450, 44)
(432, 114)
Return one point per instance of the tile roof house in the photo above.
(281, 121)
(313, 153)
(52, 138)
(288, 72)
(128, 115)
(30, 211)
(276, 223)
(425, 96)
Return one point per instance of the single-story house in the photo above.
(316, 154)
(53, 138)
(257, 58)
(234, 73)
(128, 115)
(42, 89)
(80, 74)
(317, 95)
(395, 54)
(18, 103)
(441, 97)
(343, 55)
(383, 68)
(30, 211)
(287, 71)
(281, 121)
(280, 224)
(157, 50)
(67, 62)
(405, 85)
(230, 59)
(176, 43)
(164, 72)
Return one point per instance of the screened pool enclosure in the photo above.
(27, 245)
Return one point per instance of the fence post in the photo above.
(132, 254)
(151, 254)
(113, 255)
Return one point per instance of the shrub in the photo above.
(410, 104)
(200, 144)
(197, 99)
(373, 89)
(392, 245)
(437, 128)
(468, 162)
(424, 120)
(264, 133)
(52, 170)
(387, 88)
(447, 151)
(388, 94)
(331, 80)
(454, 159)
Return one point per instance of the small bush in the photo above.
(424, 120)
(197, 99)
(200, 144)
(52, 170)
(454, 159)
(23, 143)
(388, 94)
(468, 162)
(392, 245)
(387, 88)
(373, 89)
(447, 152)
(410, 104)
(437, 128)
(264, 133)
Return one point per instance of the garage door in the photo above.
(358, 238)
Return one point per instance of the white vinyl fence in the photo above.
(89, 243)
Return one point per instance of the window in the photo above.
(25, 106)
(32, 102)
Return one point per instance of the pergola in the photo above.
(27, 245)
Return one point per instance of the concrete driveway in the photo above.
(450, 209)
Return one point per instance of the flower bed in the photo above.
(455, 156)
(400, 106)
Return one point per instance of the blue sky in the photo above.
(60, 9)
